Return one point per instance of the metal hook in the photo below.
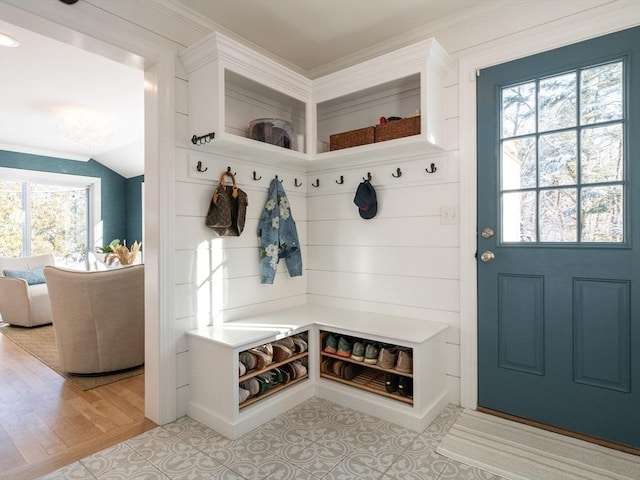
(203, 139)
(229, 171)
(341, 180)
(368, 177)
(317, 184)
(433, 168)
(278, 179)
(398, 173)
(199, 167)
(254, 176)
(296, 183)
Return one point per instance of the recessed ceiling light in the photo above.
(7, 40)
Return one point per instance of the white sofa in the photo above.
(20, 303)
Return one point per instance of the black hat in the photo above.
(366, 200)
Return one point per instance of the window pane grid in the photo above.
(562, 158)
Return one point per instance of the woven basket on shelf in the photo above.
(353, 138)
(398, 128)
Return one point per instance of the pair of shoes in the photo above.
(242, 369)
(405, 360)
(339, 368)
(330, 344)
(281, 352)
(371, 353)
(263, 358)
(387, 357)
(345, 347)
(405, 387)
(248, 360)
(391, 382)
(242, 394)
(251, 385)
(358, 350)
(300, 345)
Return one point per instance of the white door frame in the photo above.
(547, 37)
(105, 34)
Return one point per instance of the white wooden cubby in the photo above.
(230, 85)
(214, 374)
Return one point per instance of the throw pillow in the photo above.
(33, 277)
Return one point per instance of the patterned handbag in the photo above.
(228, 208)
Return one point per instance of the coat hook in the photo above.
(199, 167)
(433, 168)
(296, 183)
(317, 184)
(255, 177)
(398, 173)
(229, 171)
(341, 180)
(368, 177)
(276, 178)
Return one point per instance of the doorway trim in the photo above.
(586, 25)
(98, 31)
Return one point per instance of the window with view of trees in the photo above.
(562, 157)
(45, 218)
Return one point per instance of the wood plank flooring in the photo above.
(46, 422)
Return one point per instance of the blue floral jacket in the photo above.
(278, 236)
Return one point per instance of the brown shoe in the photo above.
(405, 360)
(388, 357)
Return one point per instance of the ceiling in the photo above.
(43, 79)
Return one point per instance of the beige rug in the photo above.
(520, 452)
(40, 342)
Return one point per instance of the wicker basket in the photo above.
(398, 129)
(353, 138)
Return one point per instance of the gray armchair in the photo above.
(21, 303)
(98, 318)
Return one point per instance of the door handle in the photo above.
(487, 256)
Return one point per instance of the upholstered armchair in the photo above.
(24, 297)
(98, 318)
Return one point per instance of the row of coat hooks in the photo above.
(398, 173)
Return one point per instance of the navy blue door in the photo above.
(559, 237)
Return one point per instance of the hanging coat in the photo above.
(278, 236)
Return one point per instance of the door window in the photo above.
(562, 177)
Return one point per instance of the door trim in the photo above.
(589, 24)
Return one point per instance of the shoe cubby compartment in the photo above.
(275, 376)
(216, 373)
(369, 377)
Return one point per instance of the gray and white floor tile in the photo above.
(317, 440)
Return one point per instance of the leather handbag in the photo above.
(228, 208)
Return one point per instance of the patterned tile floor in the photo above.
(315, 440)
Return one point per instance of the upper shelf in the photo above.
(231, 85)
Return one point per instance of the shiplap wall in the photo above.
(218, 279)
(405, 260)
(402, 262)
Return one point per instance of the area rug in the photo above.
(520, 452)
(41, 343)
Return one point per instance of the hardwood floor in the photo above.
(46, 422)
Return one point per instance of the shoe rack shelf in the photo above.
(366, 365)
(291, 359)
(369, 380)
(268, 393)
